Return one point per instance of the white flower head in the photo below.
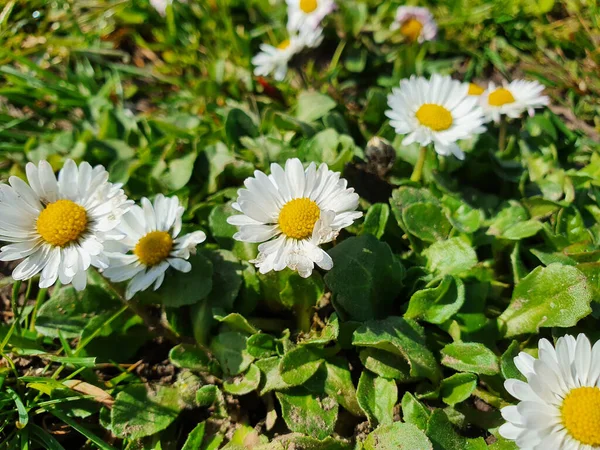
(151, 245)
(438, 111)
(307, 13)
(512, 99)
(415, 23)
(291, 213)
(559, 406)
(275, 60)
(58, 227)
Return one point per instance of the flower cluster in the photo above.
(304, 30)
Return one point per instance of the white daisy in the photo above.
(437, 111)
(151, 245)
(307, 13)
(59, 227)
(512, 99)
(275, 60)
(300, 208)
(415, 23)
(559, 406)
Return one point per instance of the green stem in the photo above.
(15, 305)
(38, 302)
(502, 135)
(418, 170)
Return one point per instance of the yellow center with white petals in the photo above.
(153, 248)
(475, 89)
(298, 217)
(580, 413)
(501, 97)
(62, 222)
(308, 6)
(434, 116)
(411, 29)
(284, 44)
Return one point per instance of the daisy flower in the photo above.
(307, 13)
(151, 245)
(58, 227)
(275, 60)
(559, 406)
(291, 213)
(437, 111)
(415, 23)
(475, 89)
(512, 99)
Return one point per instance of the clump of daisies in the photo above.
(512, 99)
(291, 212)
(151, 245)
(304, 31)
(437, 112)
(58, 227)
(415, 24)
(559, 404)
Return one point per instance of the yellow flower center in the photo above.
(475, 89)
(62, 222)
(308, 6)
(581, 415)
(285, 44)
(153, 248)
(434, 116)
(411, 29)
(501, 97)
(298, 217)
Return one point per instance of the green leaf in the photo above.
(230, 350)
(223, 232)
(312, 106)
(195, 438)
(450, 257)
(69, 312)
(458, 388)
(237, 322)
(507, 362)
(398, 436)
(308, 414)
(427, 221)
(187, 356)
(377, 397)
(299, 364)
(262, 345)
(402, 337)
(513, 223)
(376, 220)
(470, 357)
(386, 364)
(238, 124)
(339, 385)
(413, 411)
(439, 304)
(226, 279)
(140, 410)
(271, 379)
(180, 171)
(554, 296)
(444, 436)
(365, 279)
(181, 289)
(244, 384)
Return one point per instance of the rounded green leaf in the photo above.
(458, 388)
(398, 436)
(470, 357)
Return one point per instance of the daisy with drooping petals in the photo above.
(415, 23)
(275, 60)
(58, 227)
(151, 245)
(512, 99)
(437, 111)
(559, 406)
(291, 213)
(307, 13)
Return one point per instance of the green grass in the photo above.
(170, 105)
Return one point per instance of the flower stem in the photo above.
(38, 302)
(502, 135)
(418, 170)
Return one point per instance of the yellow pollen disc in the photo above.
(308, 6)
(285, 44)
(153, 248)
(475, 89)
(298, 217)
(411, 29)
(62, 222)
(501, 97)
(434, 116)
(581, 415)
